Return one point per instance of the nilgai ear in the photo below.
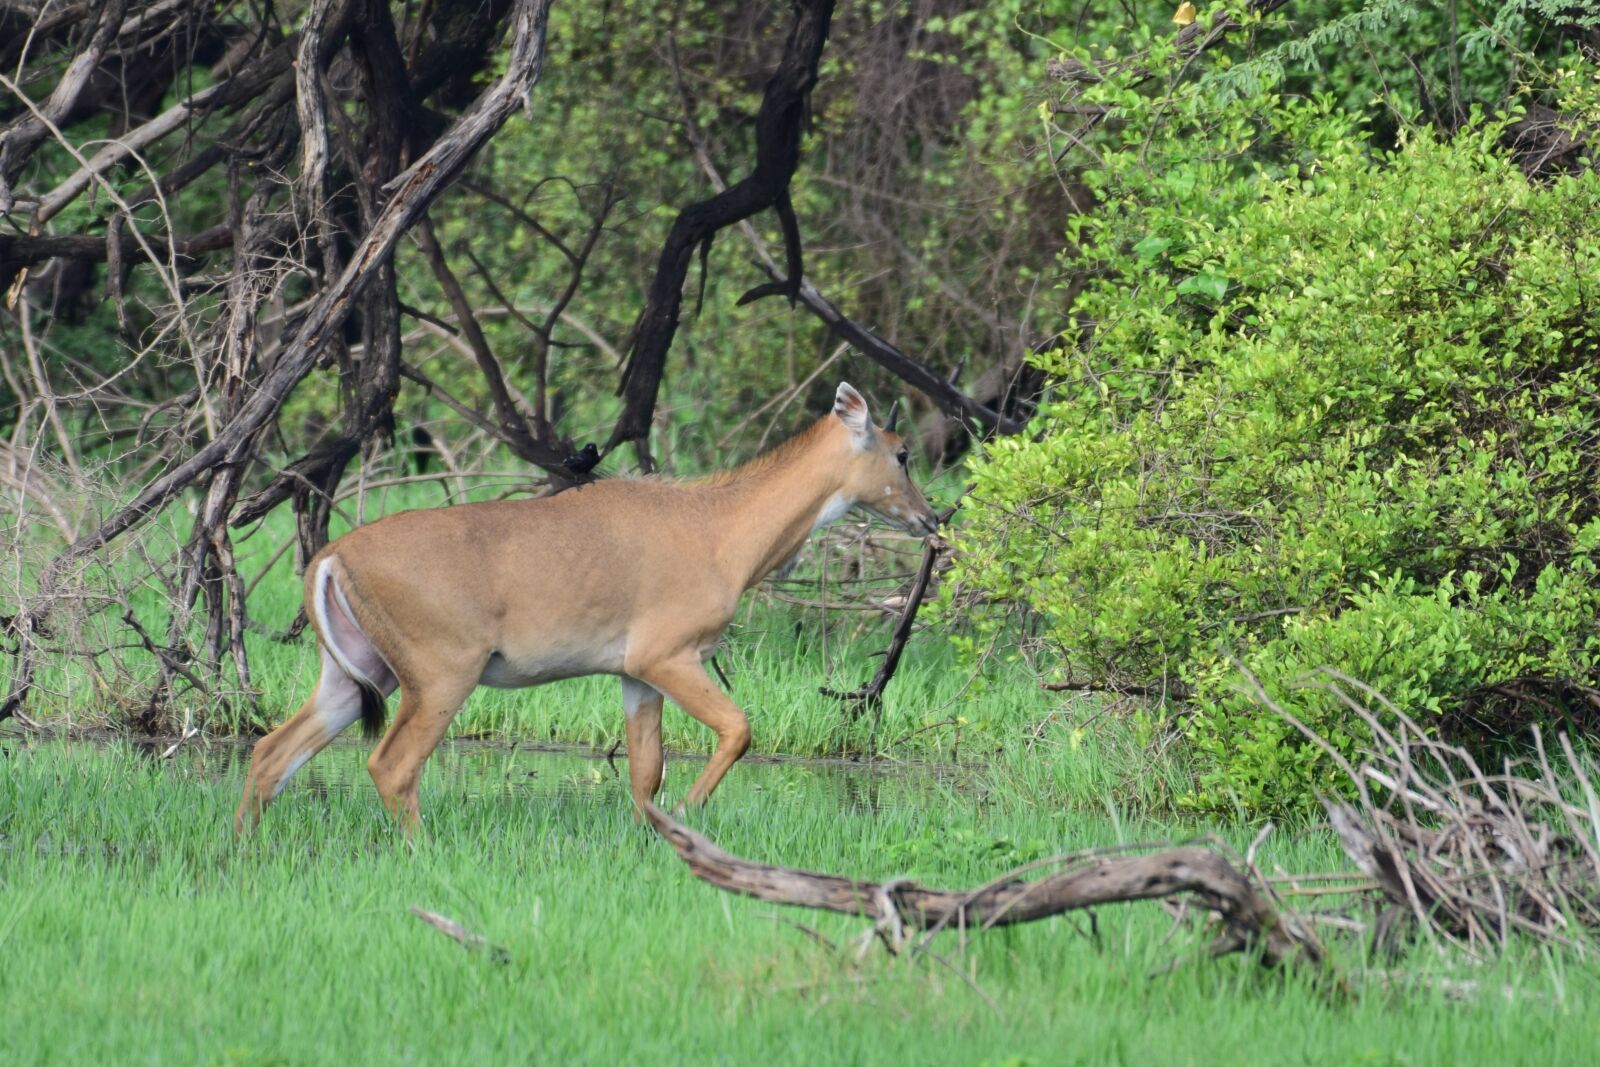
(852, 411)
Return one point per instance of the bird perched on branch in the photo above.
(583, 460)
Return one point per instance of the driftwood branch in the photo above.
(1249, 921)
(472, 942)
(1443, 848)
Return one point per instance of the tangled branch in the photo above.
(252, 401)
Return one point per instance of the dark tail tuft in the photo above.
(373, 710)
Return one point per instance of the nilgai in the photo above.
(632, 577)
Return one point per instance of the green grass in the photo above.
(134, 928)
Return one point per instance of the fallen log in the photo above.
(1247, 917)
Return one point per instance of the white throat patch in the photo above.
(835, 507)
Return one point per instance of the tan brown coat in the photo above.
(632, 577)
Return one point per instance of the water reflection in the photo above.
(485, 771)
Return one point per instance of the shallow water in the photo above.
(494, 772)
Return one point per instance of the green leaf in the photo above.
(1148, 249)
(1214, 286)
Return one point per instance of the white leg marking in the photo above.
(288, 773)
(335, 705)
(635, 694)
(338, 700)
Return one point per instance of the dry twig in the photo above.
(461, 935)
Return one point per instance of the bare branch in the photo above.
(1249, 920)
(412, 192)
(19, 141)
(871, 694)
(778, 133)
(511, 426)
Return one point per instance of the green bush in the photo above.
(1336, 407)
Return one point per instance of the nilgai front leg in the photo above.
(684, 679)
(646, 764)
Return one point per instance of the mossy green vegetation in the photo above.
(135, 928)
(1337, 406)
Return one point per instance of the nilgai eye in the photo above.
(905, 455)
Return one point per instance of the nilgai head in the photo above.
(879, 479)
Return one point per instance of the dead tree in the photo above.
(282, 234)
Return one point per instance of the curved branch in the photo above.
(914, 373)
(1248, 917)
(778, 131)
(512, 425)
(942, 391)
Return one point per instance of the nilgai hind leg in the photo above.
(426, 709)
(354, 681)
(684, 680)
(332, 708)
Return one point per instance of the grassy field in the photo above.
(136, 929)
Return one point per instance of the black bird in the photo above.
(583, 460)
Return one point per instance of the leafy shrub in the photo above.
(1336, 407)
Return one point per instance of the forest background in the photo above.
(1249, 340)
